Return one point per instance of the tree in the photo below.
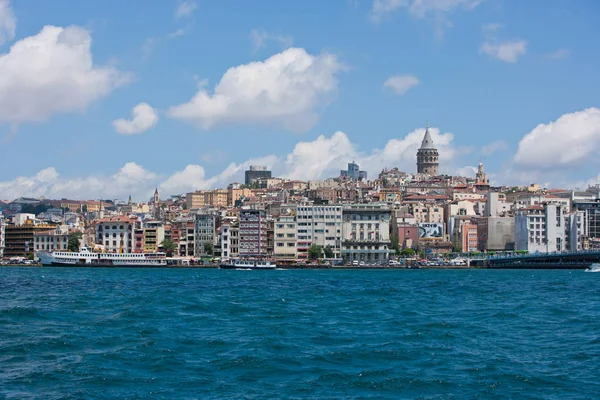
(315, 251)
(84, 208)
(407, 252)
(169, 247)
(328, 252)
(208, 248)
(73, 243)
(184, 206)
(395, 244)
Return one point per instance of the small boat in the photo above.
(240, 263)
(593, 268)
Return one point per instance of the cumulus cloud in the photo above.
(52, 72)
(185, 9)
(191, 178)
(316, 159)
(288, 90)
(401, 83)
(571, 140)
(8, 22)
(144, 118)
(504, 50)
(260, 37)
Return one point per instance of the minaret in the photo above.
(129, 201)
(427, 156)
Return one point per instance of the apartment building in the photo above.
(252, 233)
(116, 233)
(366, 233)
(321, 225)
(285, 237)
(2, 235)
(205, 230)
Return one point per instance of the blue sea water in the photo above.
(196, 333)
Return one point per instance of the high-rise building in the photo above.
(321, 225)
(205, 229)
(253, 233)
(353, 172)
(256, 172)
(427, 156)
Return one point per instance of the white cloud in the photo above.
(508, 51)
(572, 140)
(259, 38)
(52, 72)
(8, 22)
(192, 177)
(503, 50)
(177, 33)
(321, 158)
(498, 145)
(401, 83)
(421, 8)
(288, 90)
(559, 54)
(144, 118)
(185, 9)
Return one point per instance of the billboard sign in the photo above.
(431, 230)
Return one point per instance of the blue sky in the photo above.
(484, 73)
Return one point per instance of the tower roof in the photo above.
(427, 142)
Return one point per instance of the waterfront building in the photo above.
(115, 234)
(495, 233)
(256, 172)
(540, 228)
(153, 236)
(353, 173)
(19, 239)
(183, 235)
(51, 239)
(319, 224)
(464, 235)
(285, 237)
(252, 233)
(366, 233)
(405, 227)
(427, 156)
(205, 231)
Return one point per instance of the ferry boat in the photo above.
(239, 263)
(87, 258)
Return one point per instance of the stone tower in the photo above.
(427, 156)
(481, 176)
(156, 205)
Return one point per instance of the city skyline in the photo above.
(181, 95)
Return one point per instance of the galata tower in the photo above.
(427, 156)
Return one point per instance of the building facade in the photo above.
(321, 225)
(366, 233)
(353, 172)
(115, 234)
(285, 237)
(540, 228)
(252, 233)
(256, 172)
(50, 240)
(427, 156)
(205, 230)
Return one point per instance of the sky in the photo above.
(107, 99)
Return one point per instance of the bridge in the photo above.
(563, 260)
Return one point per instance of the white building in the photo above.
(496, 205)
(285, 237)
(541, 199)
(21, 218)
(540, 228)
(2, 235)
(366, 233)
(320, 225)
(115, 234)
(53, 239)
(205, 229)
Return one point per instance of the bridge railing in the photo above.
(548, 254)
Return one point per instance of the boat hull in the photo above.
(102, 265)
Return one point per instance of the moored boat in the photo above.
(239, 263)
(87, 258)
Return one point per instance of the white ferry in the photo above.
(240, 263)
(87, 258)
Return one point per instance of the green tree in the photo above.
(328, 252)
(315, 251)
(395, 244)
(184, 206)
(73, 243)
(169, 247)
(84, 208)
(407, 252)
(208, 248)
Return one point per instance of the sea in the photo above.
(76, 333)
